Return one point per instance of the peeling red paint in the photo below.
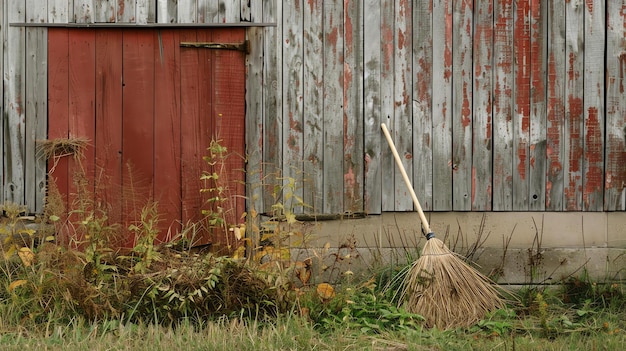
(348, 29)
(522, 155)
(593, 155)
(465, 109)
(590, 6)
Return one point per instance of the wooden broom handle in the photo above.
(406, 179)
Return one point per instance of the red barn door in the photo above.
(149, 102)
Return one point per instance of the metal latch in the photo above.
(245, 46)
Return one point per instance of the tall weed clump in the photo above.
(85, 270)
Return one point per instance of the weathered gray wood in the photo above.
(313, 127)
(573, 130)
(422, 103)
(245, 12)
(462, 107)
(372, 113)
(36, 115)
(230, 10)
(167, 11)
(14, 119)
(187, 11)
(521, 105)
(254, 107)
(386, 102)
(353, 107)
(593, 169)
(3, 116)
(105, 11)
(60, 11)
(503, 106)
(442, 105)
(537, 150)
(556, 106)
(272, 98)
(402, 98)
(615, 143)
(84, 11)
(145, 11)
(292, 107)
(481, 156)
(208, 11)
(127, 11)
(333, 106)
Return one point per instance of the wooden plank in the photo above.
(503, 107)
(246, 10)
(556, 106)
(84, 11)
(462, 83)
(272, 97)
(105, 11)
(15, 128)
(333, 106)
(36, 115)
(187, 11)
(538, 119)
(145, 11)
(208, 11)
(521, 106)
(2, 110)
(137, 123)
(593, 169)
(167, 11)
(573, 137)
(36, 105)
(60, 11)
(353, 106)
(82, 59)
(205, 130)
(313, 94)
(229, 103)
(108, 115)
(402, 101)
(442, 105)
(615, 148)
(191, 134)
(58, 106)
(292, 108)
(127, 11)
(422, 103)
(37, 11)
(167, 116)
(254, 114)
(372, 108)
(230, 10)
(387, 163)
(482, 157)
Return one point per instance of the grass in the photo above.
(296, 333)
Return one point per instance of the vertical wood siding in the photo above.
(496, 105)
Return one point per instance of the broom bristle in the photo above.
(446, 291)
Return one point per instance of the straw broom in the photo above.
(440, 286)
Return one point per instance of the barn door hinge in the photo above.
(245, 46)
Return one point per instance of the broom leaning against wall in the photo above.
(440, 286)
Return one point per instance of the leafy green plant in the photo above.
(363, 309)
(146, 232)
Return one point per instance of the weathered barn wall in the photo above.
(496, 105)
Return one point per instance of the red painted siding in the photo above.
(150, 109)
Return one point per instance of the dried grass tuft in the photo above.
(446, 291)
(61, 147)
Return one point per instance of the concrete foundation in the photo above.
(515, 248)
